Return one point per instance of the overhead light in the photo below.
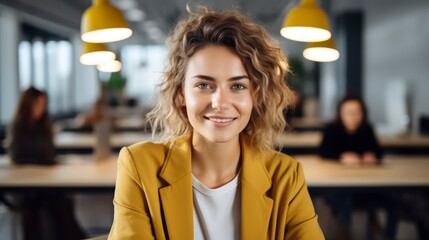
(95, 53)
(306, 22)
(102, 23)
(325, 51)
(110, 66)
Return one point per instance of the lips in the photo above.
(221, 120)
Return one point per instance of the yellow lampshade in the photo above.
(306, 22)
(102, 23)
(110, 66)
(325, 51)
(95, 53)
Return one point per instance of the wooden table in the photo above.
(293, 142)
(395, 171)
(308, 143)
(82, 172)
(75, 172)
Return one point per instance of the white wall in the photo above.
(396, 40)
(85, 87)
(8, 64)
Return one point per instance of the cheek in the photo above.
(191, 101)
(195, 103)
(245, 105)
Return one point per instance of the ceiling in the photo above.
(151, 20)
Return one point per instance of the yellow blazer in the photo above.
(153, 196)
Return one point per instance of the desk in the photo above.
(71, 142)
(396, 171)
(293, 142)
(75, 172)
(308, 142)
(306, 124)
(117, 140)
(81, 172)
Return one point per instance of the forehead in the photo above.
(351, 105)
(215, 59)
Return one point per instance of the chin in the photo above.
(218, 138)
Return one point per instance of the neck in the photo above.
(215, 164)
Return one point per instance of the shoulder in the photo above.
(148, 149)
(144, 155)
(279, 164)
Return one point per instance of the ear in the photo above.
(181, 98)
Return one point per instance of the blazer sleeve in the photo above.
(131, 218)
(301, 218)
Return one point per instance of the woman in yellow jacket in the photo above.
(216, 175)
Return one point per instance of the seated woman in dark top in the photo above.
(32, 143)
(31, 133)
(350, 137)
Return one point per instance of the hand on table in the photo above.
(369, 158)
(350, 158)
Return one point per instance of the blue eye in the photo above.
(203, 86)
(238, 87)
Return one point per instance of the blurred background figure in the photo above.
(31, 130)
(98, 113)
(350, 139)
(44, 215)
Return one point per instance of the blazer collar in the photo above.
(256, 206)
(177, 200)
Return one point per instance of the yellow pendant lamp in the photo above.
(306, 22)
(110, 66)
(102, 23)
(95, 53)
(325, 51)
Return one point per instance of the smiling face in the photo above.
(217, 94)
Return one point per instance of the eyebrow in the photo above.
(236, 78)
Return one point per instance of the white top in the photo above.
(217, 212)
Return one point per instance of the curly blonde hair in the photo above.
(261, 56)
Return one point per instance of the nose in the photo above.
(220, 100)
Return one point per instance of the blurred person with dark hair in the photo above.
(32, 143)
(31, 131)
(351, 140)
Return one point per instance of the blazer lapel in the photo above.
(176, 199)
(256, 207)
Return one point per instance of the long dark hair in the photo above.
(24, 113)
(348, 98)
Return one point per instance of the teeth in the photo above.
(221, 120)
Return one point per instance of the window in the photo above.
(45, 62)
(143, 67)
